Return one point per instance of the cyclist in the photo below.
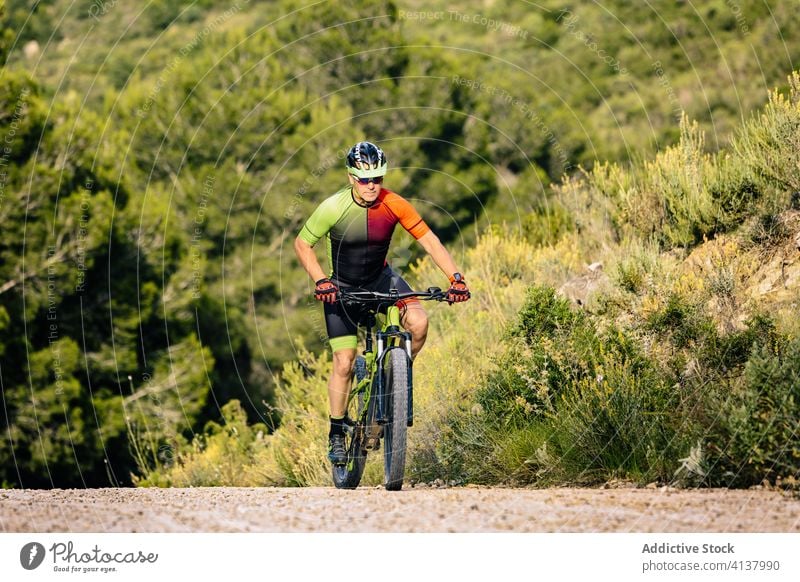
(358, 222)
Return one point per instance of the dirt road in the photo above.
(468, 509)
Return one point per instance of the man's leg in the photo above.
(413, 317)
(338, 390)
(415, 321)
(343, 340)
(339, 382)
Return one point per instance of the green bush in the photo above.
(734, 190)
(569, 401)
(189, 210)
(544, 226)
(681, 320)
(769, 144)
(757, 436)
(767, 229)
(636, 266)
(228, 455)
(678, 180)
(543, 313)
(731, 351)
(536, 364)
(623, 423)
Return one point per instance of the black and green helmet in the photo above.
(366, 160)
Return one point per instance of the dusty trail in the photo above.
(467, 509)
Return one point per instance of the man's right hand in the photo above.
(326, 291)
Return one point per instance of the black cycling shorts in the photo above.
(342, 322)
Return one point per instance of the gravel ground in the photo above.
(457, 509)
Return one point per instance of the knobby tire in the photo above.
(348, 476)
(396, 386)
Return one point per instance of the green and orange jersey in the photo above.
(358, 236)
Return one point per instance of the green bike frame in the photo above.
(388, 338)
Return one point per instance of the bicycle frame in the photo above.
(389, 337)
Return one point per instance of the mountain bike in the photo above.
(380, 404)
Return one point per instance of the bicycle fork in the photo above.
(410, 388)
(380, 392)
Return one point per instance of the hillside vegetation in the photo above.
(676, 362)
(158, 160)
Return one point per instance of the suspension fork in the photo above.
(409, 377)
(394, 314)
(391, 335)
(373, 366)
(380, 389)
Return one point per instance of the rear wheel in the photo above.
(348, 476)
(396, 386)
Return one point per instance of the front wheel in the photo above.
(348, 476)
(396, 386)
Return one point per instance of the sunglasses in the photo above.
(365, 181)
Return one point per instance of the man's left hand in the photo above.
(458, 290)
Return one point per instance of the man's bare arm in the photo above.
(434, 247)
(305, 252)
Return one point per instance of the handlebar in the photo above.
(349, 296)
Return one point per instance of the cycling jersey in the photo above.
(358, 236)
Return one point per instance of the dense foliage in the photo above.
(677, 366)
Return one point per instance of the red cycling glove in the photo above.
(458, 290)
(326, 291)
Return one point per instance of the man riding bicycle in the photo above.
(358, 222)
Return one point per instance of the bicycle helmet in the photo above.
(366, 160)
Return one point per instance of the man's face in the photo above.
(366, 192)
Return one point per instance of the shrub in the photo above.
(734, 190)
(620, 424)
(231, 454)
(681, 320)
(686, 194)
(547, 347)
(769, 145)
(543, 314)
(568, 400)
(767, 229)
(545, 226)
(678, 179)
(726, 352)
(578, 406)
(636, 265)
(757, 435)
